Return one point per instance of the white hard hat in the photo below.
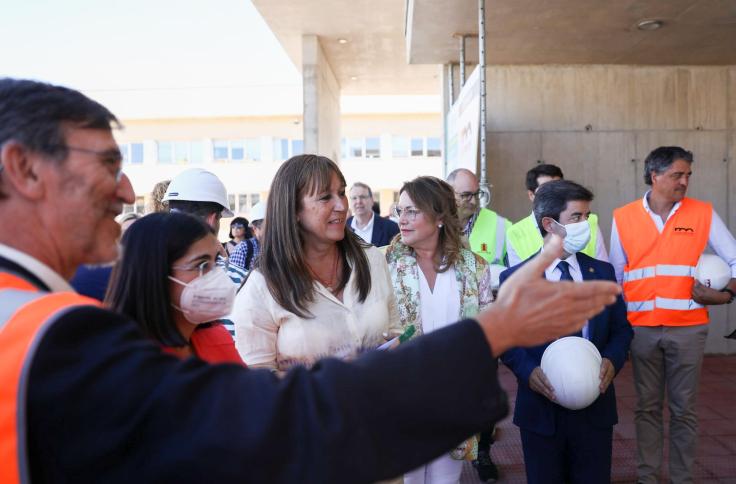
(496, 270)
(198, 185)
(258, 211)
(713, 272)
(573, 367)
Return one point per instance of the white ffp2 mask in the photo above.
(206, 298)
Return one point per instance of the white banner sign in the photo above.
(463, 124)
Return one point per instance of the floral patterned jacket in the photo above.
(471, 271)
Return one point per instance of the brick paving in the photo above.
(716, 458)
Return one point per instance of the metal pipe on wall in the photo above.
(462, 61)
(451, 84)
(484, 187)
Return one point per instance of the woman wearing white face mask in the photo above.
(168, 282)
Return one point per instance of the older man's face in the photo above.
(467, 194)
(361, 201)
(84, 196)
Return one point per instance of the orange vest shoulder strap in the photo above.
(25, 315)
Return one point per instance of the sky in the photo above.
(148, 59)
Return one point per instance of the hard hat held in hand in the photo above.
(573, 367)
(713, 272)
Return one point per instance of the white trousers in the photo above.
(443, 470)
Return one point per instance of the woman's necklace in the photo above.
(331, 282)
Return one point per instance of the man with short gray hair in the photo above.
(656, 243)
(368, 225)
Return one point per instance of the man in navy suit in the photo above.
(369, 226)
(562, 445)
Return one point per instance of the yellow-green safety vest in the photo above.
(525, 238)
(488, 237)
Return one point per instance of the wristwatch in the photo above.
(733, 294)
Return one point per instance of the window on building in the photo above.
(136, 153)
(237, 150)
(231, 201)
(373, 147)
(254, 198)
(253, 149)
(434, 147)
(196, 152)
(399, 146)
(181, 151)
(417, 147)
(242, 202)
(220, 150)
(297, 147)
(165, 152)
(355, 148)
(280, 149)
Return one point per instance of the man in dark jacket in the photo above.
(369, 226)
(87, 398)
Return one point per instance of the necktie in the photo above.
(564, 268)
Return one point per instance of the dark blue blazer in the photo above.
(383, 230)
(610, 332)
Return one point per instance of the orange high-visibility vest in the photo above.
(659, 273)
(25, 315)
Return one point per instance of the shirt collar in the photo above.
(369, 225)
(48, 276)
(471, 223)
(572, 262)
(649, 210)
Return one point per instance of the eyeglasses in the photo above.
(359, 197)
(468, 196)
(112, 158)
(411, 213)
(237, 226)
(202, 268)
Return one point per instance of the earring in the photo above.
(439, 226)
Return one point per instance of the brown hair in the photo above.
(436, 199)
(282, 257)
(156, 204)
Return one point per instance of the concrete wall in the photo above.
(598, 123)
(321, 101)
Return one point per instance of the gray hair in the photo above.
(661, 158)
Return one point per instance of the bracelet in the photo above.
(733, 294)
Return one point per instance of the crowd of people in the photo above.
(315, 346)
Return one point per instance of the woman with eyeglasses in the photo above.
(436, 281)
(168, 282)
(239, 231)
(317, 290)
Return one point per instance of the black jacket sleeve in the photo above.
(105, 405)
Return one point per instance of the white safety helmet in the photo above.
(258, 211)
(573, 367)
(713, 272)
(198, 185)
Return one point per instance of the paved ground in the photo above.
(716, 461)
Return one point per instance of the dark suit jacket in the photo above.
(610, 332)
(104, 404)
(383, 230)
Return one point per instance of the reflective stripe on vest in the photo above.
(662, 303)
(526, 239)
(25, 315)
(488, 237)
(658, 276)
(659, 270)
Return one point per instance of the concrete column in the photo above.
(321, 101)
